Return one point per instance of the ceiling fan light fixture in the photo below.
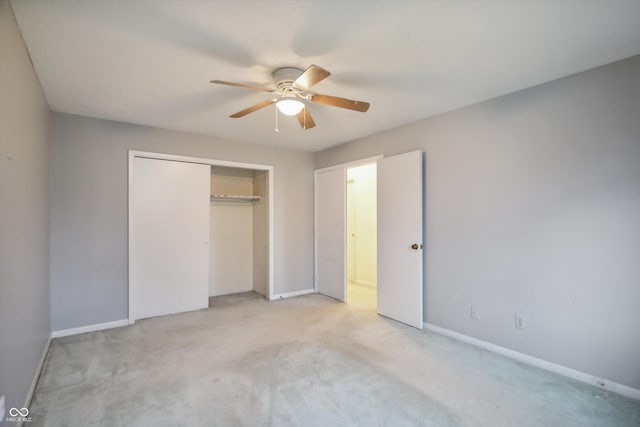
(292, 95)
(290, 107)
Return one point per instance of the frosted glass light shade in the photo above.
(290, 107)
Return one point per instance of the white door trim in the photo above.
(361, 162)
(213, 162)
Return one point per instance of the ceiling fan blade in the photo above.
(311, 76)
(305, 120)
(335, 101)
(253, 108)
(222, 82)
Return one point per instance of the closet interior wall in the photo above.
(239, 229)
(260, 233)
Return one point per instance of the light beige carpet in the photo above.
(305, 361)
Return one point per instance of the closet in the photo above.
(198, 228)
(238, 231)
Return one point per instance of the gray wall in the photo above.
(24, 223)
(89, 211)
(533, 208)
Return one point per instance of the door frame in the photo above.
(201, 160)
(344, 166)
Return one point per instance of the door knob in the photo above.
(416, 246)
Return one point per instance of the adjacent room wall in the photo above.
(89, 211)
(24, 223)
(533, 209)
(362, 236)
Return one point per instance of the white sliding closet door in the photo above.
(170, 229)
(400, 238)
(330, 220)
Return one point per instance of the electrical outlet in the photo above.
(473, 312)
(519, 322)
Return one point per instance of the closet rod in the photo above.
(234, 197)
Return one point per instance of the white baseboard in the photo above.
(293, 294)
(540, 363)
(89, 328)
(364, 283)
(36, 376)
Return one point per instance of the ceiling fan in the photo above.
(292, 88)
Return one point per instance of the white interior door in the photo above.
(170, 228)
(400, 238)
(330, 233)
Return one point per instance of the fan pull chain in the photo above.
(276, 118)
(304, 119)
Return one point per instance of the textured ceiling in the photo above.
(149, 62)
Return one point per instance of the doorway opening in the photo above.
(238, 232)
(362, 235)
(396, 290)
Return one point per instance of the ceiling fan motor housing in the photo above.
(284, 78)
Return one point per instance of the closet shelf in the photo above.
(234, 197)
